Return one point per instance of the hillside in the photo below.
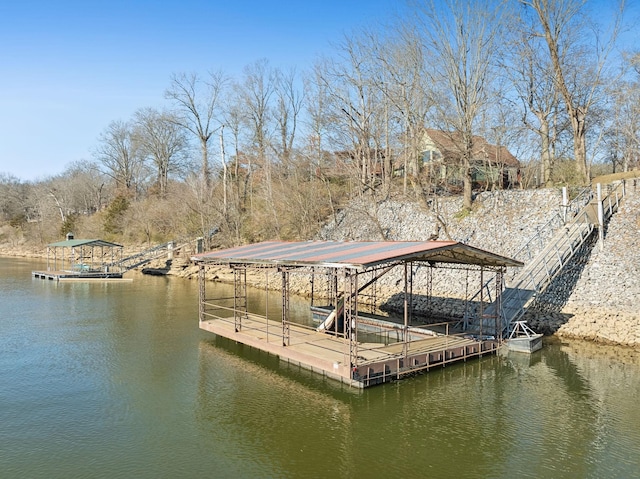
(598, 298)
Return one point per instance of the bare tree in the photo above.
(532, 77)
(233, 122)
(119, 154)
(255, 92)
(204, 219)
(318, 117)
(289, 101)
(162, 140)
(88, 187)
(355, 108)
(196, 100)
(622, 135)
(402, 65)
(317, 99)
(47, 205)
(578, 61)
(13, 194)
(460, 38)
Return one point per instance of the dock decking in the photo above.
(76, 275)
(329, 355)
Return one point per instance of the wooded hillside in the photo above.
(275, 154)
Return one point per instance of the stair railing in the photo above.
(540, 269)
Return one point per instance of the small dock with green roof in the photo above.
(82, 259)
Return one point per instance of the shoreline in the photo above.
(597, 299)
(598, 326)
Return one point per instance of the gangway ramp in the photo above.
(143, 257)
(147, 255)
(538, 273)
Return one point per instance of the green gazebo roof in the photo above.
(84, 242)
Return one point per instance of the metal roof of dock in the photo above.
(354, 254)
(84, 242)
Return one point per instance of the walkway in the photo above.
(542, 267)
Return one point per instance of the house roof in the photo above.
(355, 255)
(84, 242)
(450, 146)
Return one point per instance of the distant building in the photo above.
(490, 164)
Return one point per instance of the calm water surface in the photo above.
(105, 380)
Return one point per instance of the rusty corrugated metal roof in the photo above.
(356, 254)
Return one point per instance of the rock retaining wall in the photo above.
(605, 303)
(597, 297)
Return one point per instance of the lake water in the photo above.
(106, 380)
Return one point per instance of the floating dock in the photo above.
(76, 276)
(328, 355)
(351, 269)
(82, 260)
(96, 259)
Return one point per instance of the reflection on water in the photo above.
(116, 380)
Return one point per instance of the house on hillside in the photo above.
(491, 165)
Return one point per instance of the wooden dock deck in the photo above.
(328, 355)
(77, 275)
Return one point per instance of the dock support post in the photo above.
(350, 319)
(286, 333)
(600, 217)
(500, 326)
(266, 302)
(313, 283)
(429, 286)
(201, 291)
(481, 298)
(407, 300)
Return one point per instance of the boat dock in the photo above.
(96, 259)
(350, 269)
(75, 275)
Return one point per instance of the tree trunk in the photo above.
(467, 181)
(224, 174)
(163, 176)
(467, 185)
(580, 144)
(205, 161)
(546, 155)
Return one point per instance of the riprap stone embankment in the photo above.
(605, 303)
(597, 298)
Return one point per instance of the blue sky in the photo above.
(69, 68)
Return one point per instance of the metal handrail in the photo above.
(558, 220)
(142, 257)
(543, 268)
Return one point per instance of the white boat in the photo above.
(524, 339)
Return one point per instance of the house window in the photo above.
(431, 155)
